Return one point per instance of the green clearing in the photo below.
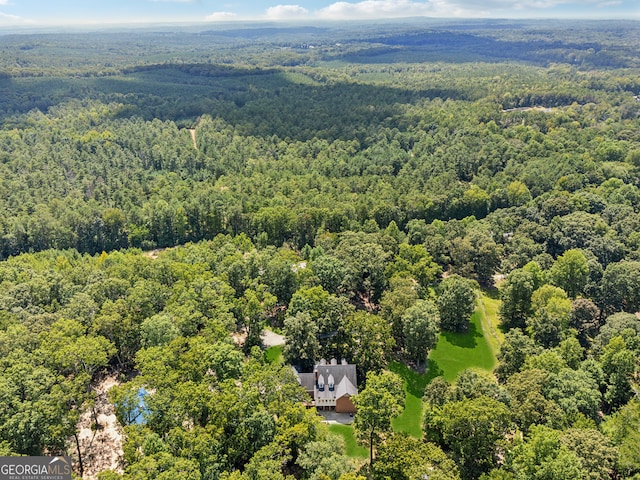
(410, 421)
(454, 352)
(472, 349)
(273, 354)
(489, 304)
(351, 447)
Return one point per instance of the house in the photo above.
(331, 385)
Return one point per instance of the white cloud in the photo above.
(612, 3)
(521, 4)
(221, 16)
(378, 9)
(286, 12)
(6, 19)
(373, 9)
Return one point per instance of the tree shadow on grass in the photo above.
(492, 292)
(416, 381)
(466, 339)
(433, 371)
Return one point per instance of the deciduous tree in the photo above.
(470, 429)
(302, 346)
(402, 457)
(515, 294)
(456, 302)
(570, 272)
(381, 400)
(420, 328)
(369, 341)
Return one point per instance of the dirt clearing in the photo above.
(100, 435)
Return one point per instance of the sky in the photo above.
(96, 12)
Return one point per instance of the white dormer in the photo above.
(321, 383)
(331, 383)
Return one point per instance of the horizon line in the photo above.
(97, 26)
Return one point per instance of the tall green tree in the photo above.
(302, 346)
(585, 318)
(515, 294)
(576, 392)
(416, 262)
(381, 400)
(325, 460)
(331, 273)
(471, 429)
(369, 341)
(253, 307)
(529, 405)
(365, 262)
(456, 302)
(328, 311)
(551, 319)
(402, 457)
(620, 287)
(401, 295)
(623, 428)
(513, 353)
(595, 452)
(158, 330)
(620, 365)
(570, 272)
(544, 456)
(420, 328)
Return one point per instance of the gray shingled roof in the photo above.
(307, 380)
(345, 387)
(344, 379)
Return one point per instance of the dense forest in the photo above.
(167, 195)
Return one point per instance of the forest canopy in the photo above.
(167, 195)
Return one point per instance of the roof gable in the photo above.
(345, 387)
(338, 372)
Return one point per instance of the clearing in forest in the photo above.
(100, 435)
(453, 353)
(475, 348)
(410, 421)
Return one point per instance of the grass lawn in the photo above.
(273, 354)
(453, 353)
(351, 447)
(410, 421)
(488, 306)
(458, 351)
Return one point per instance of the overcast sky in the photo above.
(56, 12)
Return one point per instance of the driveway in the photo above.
(330, 416)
